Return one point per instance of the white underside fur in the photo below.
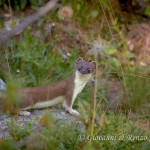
(40, 105)
(80, 82)
(45, 104)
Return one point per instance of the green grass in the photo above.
(118, 132)
(138, 90)
(33, 62)
(66, 136)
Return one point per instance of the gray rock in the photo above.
(57, 112)
(2, 85)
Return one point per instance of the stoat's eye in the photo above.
(89, 70)
(80, 67)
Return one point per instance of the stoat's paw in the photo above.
(73, 112)
(24, 113)
(70, 110)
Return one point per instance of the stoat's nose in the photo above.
(84, 72)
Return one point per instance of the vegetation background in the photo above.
(116, 34)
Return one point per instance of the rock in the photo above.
(2, 85)
(57, 112)
(8, 25)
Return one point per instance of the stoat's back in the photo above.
(31, 96)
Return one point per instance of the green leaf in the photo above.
(94, 13)
(40, 21)
(110, 50)
(128, 54)
(114, 62)
(147, 10)
(23, 4)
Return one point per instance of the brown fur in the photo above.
(34, 95)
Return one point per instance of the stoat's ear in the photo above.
(93, 64)
(80, 59)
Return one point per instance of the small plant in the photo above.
(18, 131)
(12, 98)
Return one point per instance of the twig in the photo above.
(0, 134)
(10, 11)
(8, 65)
(29, 20)
(94, 97)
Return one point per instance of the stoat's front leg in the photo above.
(67, 105)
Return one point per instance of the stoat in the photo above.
(63, 92)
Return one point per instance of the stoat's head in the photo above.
(85, 67)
